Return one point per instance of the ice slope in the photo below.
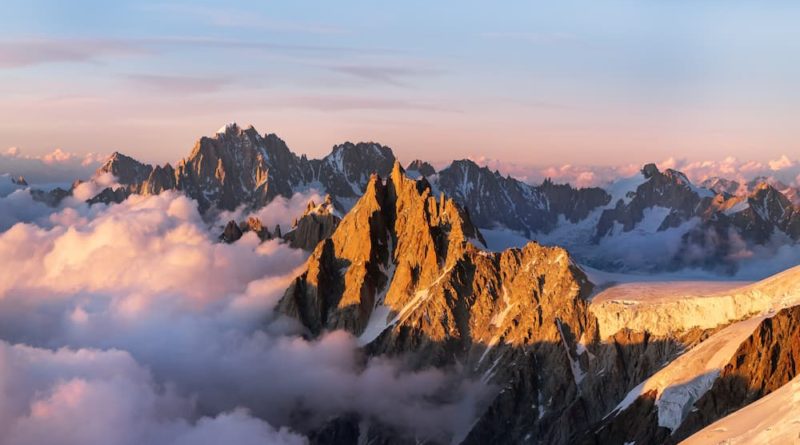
(664, 308)
(681, 383)
(774, 419)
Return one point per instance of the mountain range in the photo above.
(651, 222)
(412, 262)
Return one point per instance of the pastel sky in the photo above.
(533, 82)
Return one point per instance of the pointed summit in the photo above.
(127, 170)
(229, 127)
(423, 168)
(396, 239)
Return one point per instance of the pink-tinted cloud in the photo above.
(15, 54)
(390, 75)
(88, 396)
(577, 175)
(782, 169)
(57, 166)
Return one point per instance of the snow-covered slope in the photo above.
(775, 419)
(664, 308)
(687, 378)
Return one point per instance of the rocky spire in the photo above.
(317, 223)
(127, 170)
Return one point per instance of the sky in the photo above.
(521, 82)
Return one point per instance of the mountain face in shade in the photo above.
(317, 223)
(765, 359)
(495, 200)
(127, 170)
(19, 180)
(238, 167)
(420, 168)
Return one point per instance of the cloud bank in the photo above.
(58, 167)
(133, 323)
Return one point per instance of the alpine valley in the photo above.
(650, 311)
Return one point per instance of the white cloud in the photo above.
(88, 396)
(782, 163)
(58, 166)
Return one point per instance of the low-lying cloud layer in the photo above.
(129, 323)
(58, 167)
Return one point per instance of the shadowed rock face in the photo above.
(346, 171)
(234, 232)
(421, 167)
(317, 223)
(110, 196)
(52, 197)
(127, 170)
(765, 361)
(19, 180)
(670, 189)
(235, 167)
(493, 199)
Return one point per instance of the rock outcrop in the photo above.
(234, 232)
(19, 180)
(317, 223)
(110, 195)
(52, 197)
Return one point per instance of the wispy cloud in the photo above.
(532, 36)
(390, 75)
(21, 53)
(228, 17)
(333, 102)
(179, 84)
(44, 50)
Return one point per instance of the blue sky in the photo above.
(529, 82)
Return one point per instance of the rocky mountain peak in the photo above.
(323, 208)
(395, 239)
(423, 168)
(721, 185)
(405, 272)
(127, 170)
(650, 170)
(19, 180)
